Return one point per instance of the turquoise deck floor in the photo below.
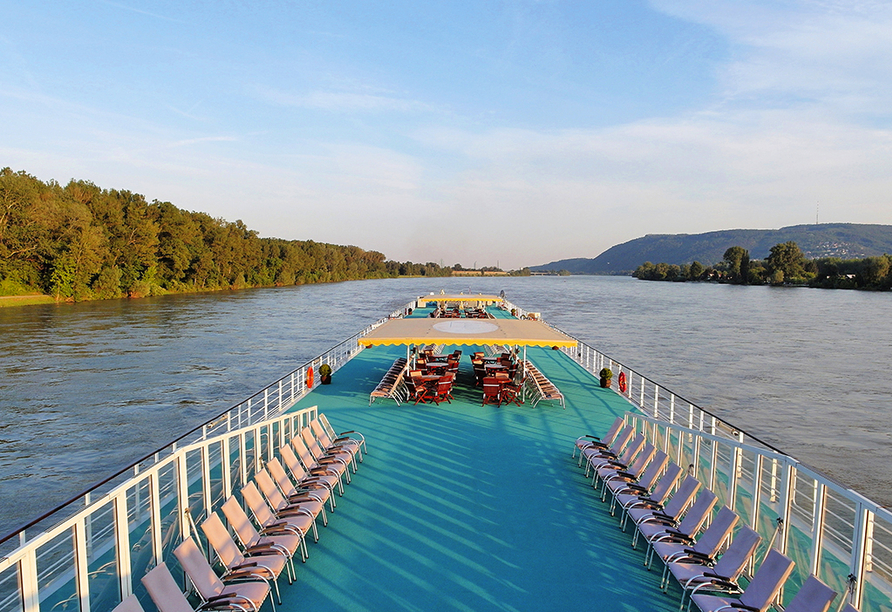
(467, 507)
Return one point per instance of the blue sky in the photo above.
(510, 133)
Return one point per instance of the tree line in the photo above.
(80, 242)
(786, 265)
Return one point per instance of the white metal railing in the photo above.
(829, 530)
(270, 401)
(95, 558)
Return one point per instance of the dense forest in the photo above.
(786, 265)
(81, 242)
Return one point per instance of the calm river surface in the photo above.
(87, 388)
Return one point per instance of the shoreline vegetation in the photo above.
(80, 242)
(785, 266)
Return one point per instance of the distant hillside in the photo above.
(844, 240)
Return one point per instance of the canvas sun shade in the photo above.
(507, 332)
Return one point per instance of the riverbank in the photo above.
(25, 300)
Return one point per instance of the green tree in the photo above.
(695, 272)
(736, 259)
(788, 259)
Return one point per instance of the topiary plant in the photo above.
(325, 373)
(606, 375)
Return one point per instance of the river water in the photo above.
(88, 388)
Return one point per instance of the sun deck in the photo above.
(470, 507)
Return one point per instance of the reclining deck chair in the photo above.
(282, 508)
(330, 465)
(624, 481)
(131, 604)
(331, 445)
(266, 567)
(321, 476)
(621, 462)
(587, 440)
(694, 518)
(759, 593)
(657, 495)
(813, 596)
(670, 547)
(298, 524)
(670, 512)
(691, 572)
(634, 469)
(253, 541)
(312, 487)
(168, 597)
(597, 454)
(343, 456)
(210, 587)
(350, 434)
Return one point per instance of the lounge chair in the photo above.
(692, 572)
(671, 512)
(813, 596)
(587, 440)
(307, 506)
(343, 456)
(694, 518)
(354, 447)
(635, 468)
(612, 452)
(626, 482)
(253, 541)
(706, 547)
(319, 476)
(330, 465)
(298, 524)
(295, 492)
(657, 495)
(349, 434)
(759, 593)
(167, 596)
(264, 567)
(621, 462)
(210, 587)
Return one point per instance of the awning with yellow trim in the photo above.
(461, 298)
(506, 332)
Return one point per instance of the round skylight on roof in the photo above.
(464, 326)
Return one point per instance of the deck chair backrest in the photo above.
(653, 470)
(642, 459)
(270, 490)
(130, 604)
(293, 463)
(311, 442)
(198, 569)
(718, 531)
(696, 516)
(324, 440)
(849, 608)
(164, 591)
(221, 541)
(632, 449)
(240, 522)
(622, 438)
(735, 558)
(664, 485)
(278, 473)
(813, 596)
(618, 422)
(683, 497)
(257, 504)
(767, 581)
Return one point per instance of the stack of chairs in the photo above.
(544, 388)
(391, 385)
(669, 516)
(286, 500)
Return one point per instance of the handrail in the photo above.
(294, 380)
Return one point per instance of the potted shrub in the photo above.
(606, 375)
(325, 374)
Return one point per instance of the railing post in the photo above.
(122, 544)
(82, 564)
